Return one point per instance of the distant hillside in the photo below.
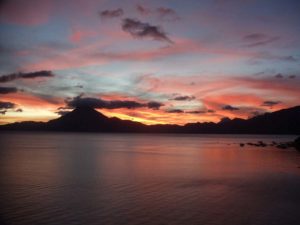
(286, 121)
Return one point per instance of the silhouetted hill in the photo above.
(80, 119)
(25, 126)
(286, 121)
(88, 119)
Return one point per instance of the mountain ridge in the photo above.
(85, 119)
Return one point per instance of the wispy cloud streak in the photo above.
(31, 75)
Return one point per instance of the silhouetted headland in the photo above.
(85, 119)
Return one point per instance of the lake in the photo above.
(74, 178)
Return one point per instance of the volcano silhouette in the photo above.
(88, 119)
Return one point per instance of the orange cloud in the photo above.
(30, 101)
(148, 116)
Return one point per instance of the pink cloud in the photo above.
(97, 53)
(245, 93)
(78, 35)
(101, 52)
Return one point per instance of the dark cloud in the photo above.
(201, 111)
(4, 106)
(278, 75)
(230, 108)
(258, 39)
(99, 103)
(7, 90)
(259, 43)
(175, 111)
(167, 14)
(270, 103)
(32, 75)
(197, 112)
(62, 112)
(7, 105)
(154, 105)
(111, 13)
(144, 30)
(255, 37)
(183, 98)
(292, 76)
(142, 9)
(19, 110)
(65, 107)
(102, 104)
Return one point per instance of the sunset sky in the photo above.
(167, 61)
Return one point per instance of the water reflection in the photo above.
(144, 179)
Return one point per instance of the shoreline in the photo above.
(281, 145)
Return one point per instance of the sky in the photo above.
(155, 62)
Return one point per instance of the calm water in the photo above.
(64, 179)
